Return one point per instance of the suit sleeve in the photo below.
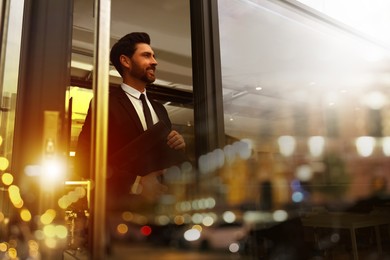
(83, 150)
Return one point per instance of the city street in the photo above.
(146, 252)
(142, 251)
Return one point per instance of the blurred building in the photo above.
(284, 106)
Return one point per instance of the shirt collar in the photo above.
(132, 91)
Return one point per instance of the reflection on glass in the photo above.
(365, 145)
(316, 145)
(315, 122)
(286, 145)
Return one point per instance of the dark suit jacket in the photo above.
(124, 126)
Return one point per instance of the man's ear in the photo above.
(125, 61)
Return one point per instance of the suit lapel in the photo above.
(128, 106)
(156, 109)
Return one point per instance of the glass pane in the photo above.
(171, 41)
(305, 105)
(10, 67)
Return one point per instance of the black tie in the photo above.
(147, 114)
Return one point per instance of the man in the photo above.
(135, 61)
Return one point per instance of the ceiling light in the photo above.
(365, 145)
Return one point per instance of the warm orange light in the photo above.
(48, 216)
(3, 247)
(12, 253)
(25, 215)
(122, 229)
(4, 163)
(127, 216)
(7, 178)
(14, 195)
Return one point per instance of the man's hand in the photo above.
(176, 140)
(150, 186)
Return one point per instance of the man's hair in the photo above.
(127, 46)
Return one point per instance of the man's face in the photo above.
(143, 63)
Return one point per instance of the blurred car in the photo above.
(224, 236)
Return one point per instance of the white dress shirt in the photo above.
(134, 96)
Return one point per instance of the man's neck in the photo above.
(140, 86)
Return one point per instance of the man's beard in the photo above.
(148, 79)
(141, 74)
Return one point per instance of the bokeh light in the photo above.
(7, 179)
(4, 163)
(229, 217)
(122, 229)
(146, 230)
(25, 215)
(192, 234)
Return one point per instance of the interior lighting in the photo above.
(218, 157)
(286, 145)
(304, 173)
(244, 148)
(52, 171)
(316, 145)
(204, 165)
(369, 17)
(365, 145)
(375, 100)
(32, 170)
(229, 153)
(386, 145)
